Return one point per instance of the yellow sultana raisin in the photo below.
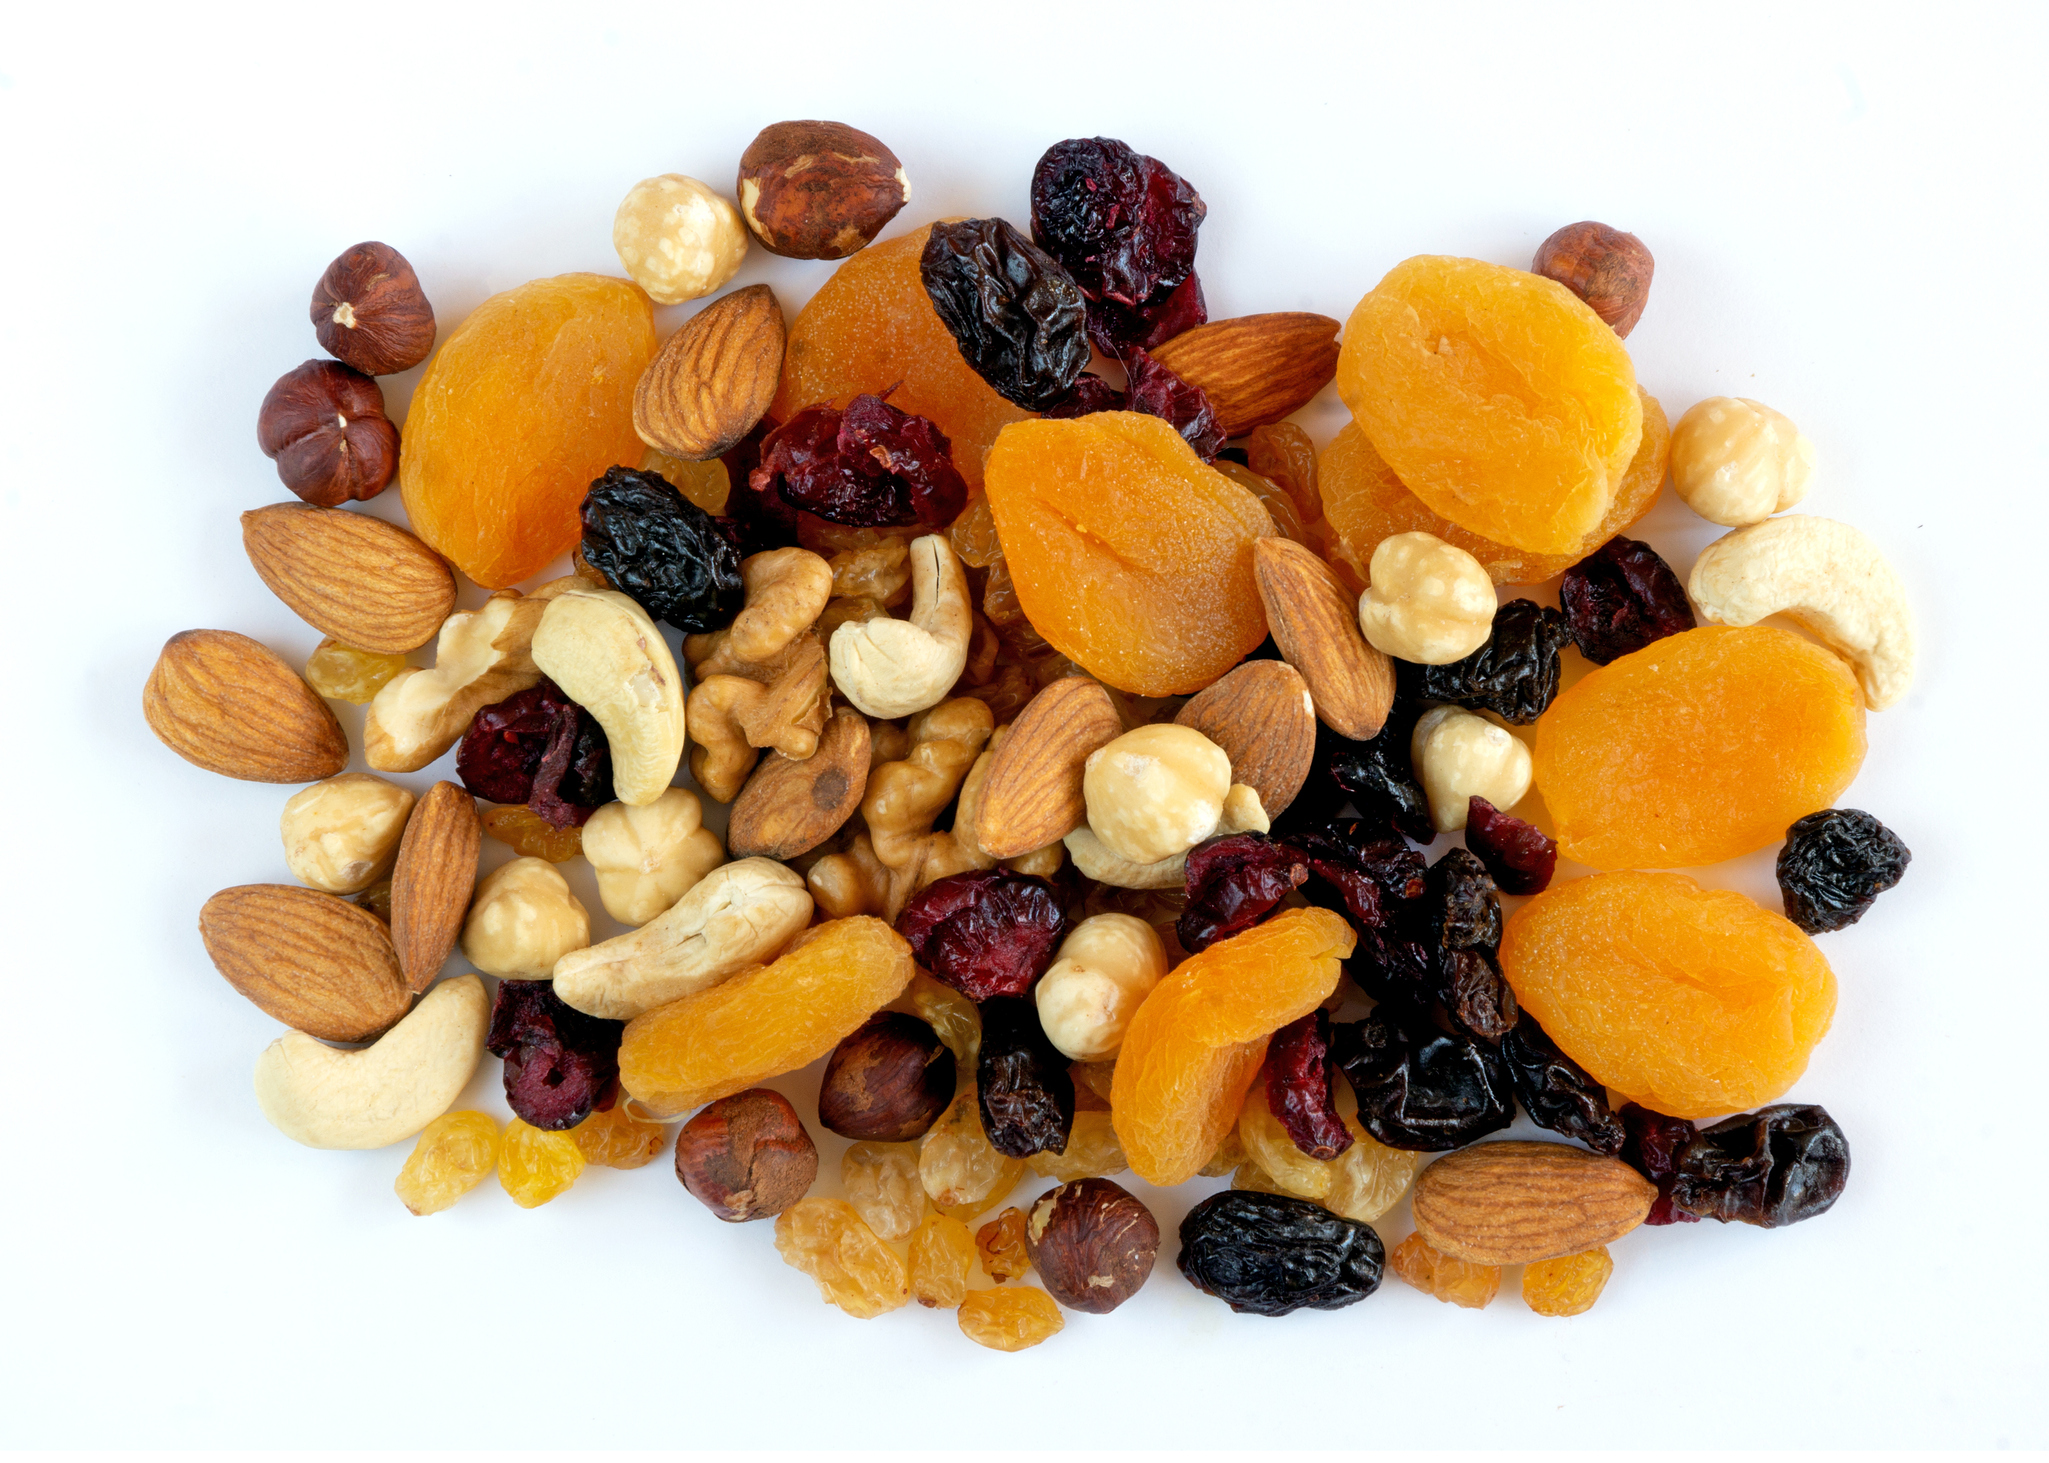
(530, 835)
(1092, 1151)
(854, 1269)
(1437, 1274)
(615, 1138)
(456, 1152)
(881, 1182)
(1001, 1244)
(535, 1166)
(1009, 1320)
(344, 673)
(962, 1174)
(942, 1254)
(1567, 1285)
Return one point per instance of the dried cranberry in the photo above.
(657, 546)
(1118, 329)
(1835, 865)
(1233, 884)
(1650, 1145)
(870, 466)
(558, 1061)
(1773, 1167)
(1515, 674)
(1122, 223)
(1158, 391)
(1021, 1081)
(1557, 1092)
(1018, 319)
(1379, 883)
(1419, 1089)
(538, 747)
(1621, 598)
(1301, 1086)
(986, 933)
(1517, 854)
(1091, 393)
(574, 778)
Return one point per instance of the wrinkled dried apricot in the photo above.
(1497, 396)
(1692, 1002)
(527, 401)
(1130, 554)
(1700, 747)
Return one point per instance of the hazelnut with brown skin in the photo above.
(887, 1082)
(1607, 268)
(747, 1156)
(370, 312)
(325, 427)
(1093, 1244)
(818, 190)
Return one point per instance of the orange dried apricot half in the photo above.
(1129, 553)
(1691, 1001)
(1700, 747)
(1497, 396)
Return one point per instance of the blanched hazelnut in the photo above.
(677, 238)
(341, 835)
(1460, 756)
(1156, 791)
(1736, 461)
(650, 856)
(1426, 601)
(523, 921)
(1092, 989)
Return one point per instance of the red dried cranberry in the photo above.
(870, 466)
(1651, 1146)
(558, 1061)
(1516, 853)
(985, 933)
(1301, 1086)
(540, 748)
(1156, 390)
(1621, 598)
(1378, 881)
(1122, 223)
(1091, 393)
(1233, 884)
(1117, 329)
(574, 779)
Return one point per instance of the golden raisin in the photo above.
(1009, 1320)
(1268, 1145)
(530, 835)
(1437, 1274)
(707, 484)
(1284, 455)
(614, 1138)
(344, 673)
(535, 1166)
(942, 1254)
(456, 1152)
(1567, 1285)
(963, 1175)
(973, 534)
(1280, 507)
(1092, 1151)
(853, 1268)
(1001, 1245)
(881, 1182)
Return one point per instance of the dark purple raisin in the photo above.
(985, 933)
(1123, 224)
(1621, 598)
(1378, 882)
(1018, 319)
(1091, 393)
(1517, 854)
(558, 1061)
(538, 747)
(1835, 865)
(661, 549)
(1556, 1091)
(1301, 1086)
(1158, 391)
(1514, 675)
(1651, 1143)
(1118, 329)
(870, 466)
(1269, 1254)
(1473, 996)
(1233, 883)
(1465, 910)
(1420, 1089)
(1376, 777)
(1773, 1167)
(1021, 1081)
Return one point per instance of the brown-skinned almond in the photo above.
(1510, 1203)
(712, 380)
(314, 961)
(366, 582)
(1255, 369)
(223, 702)
(1262, 716)
(1032, 796)
(1315, 623)
(788, 807)
(433, 880)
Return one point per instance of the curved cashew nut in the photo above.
(1241, 813)
(481, 657)
(894, 668)
(1824, 574)
(608, 657)
(328, 1098)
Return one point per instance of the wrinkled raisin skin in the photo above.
(1422, 1090)
(870, 466)
(1269, 1254)
(1378, 882)
(1651, 1145)
(1621, 598)
(558, 1061)
(1026, 1094)
(1122, 223)
(1835, 865)
(661, 549)
(1301, 1087)
(1556, 1091)
(1517, 854)
(1233, 883)
(1514, 675)
(986, 933)
(1018, 318)
(1118, 329)
(1377, 777)
(1773, 1167)
(1158, 391)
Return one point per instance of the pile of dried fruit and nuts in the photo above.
(1078, 720)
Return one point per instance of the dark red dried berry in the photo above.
(1018, 319)
(870, 466)
(1650, 1145)
(1157, 391)
(1021, 1081)
(1091, 393)
(540, 748)
(1517, 854)
(1117, 329)
(1621, 598)
(985, 933)
(1378, 883)
(1557, 1092)
(1301, 1086)
(1122, 223)
(1233, 884)
(558, 1061)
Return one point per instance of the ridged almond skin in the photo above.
(1033, 796)
(1315, 623)
(366, 582)
(223, 702)
(433, 881)
(314, 961)
(789, 807)
(712, 380)
(1255, 369)
(1262, 715)
(1510, 1203)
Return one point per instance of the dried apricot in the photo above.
(1690, 1001)
(526, 402)
(1130, 554)
(1700, 747)
(1496, 396)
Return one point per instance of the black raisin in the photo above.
(1621, 598)
(1017, 317)
(1834, 865)
(1773, 1167)
(1514, 675)
(1421, 1089)
(558, 1061)
(1378, 882)
(1556, 1091)
(1026, 1094)
(1465, 909)
(1376, 777)
(1651, 1145)
(1269, 1254)
(663, 550)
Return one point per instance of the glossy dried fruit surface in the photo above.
(1514, 675)
(1014, 313)
(1444, 1277)
(344, 673)
(1701, 747)
(1369, 1178)
(538, 747)
(1769, 1168)
(1122, 223)
(1420, 1089)
(1001, 1246)
(1233, 884)
(530, 835)
(536, 1166)
(1158, 391)
(1092, 1150)
(1272, 1149)
(870, 466)
(1130, 555)
(612, 1137)
(1026, 1095)
(1620, 598)
(1301, 1087)
(881, 1182)
(456, 1152)
(558, 1061)
(941, 1258)
(853, 1268)
(1269, 1254)
(662, 550)
(962, 1174)
(1835, 865)
(1687, 1000)
(1568, 1285)
(527, 401)
(1378, 777)
(707, 484)
(1651, 1146)
(1518, 856)
(1009, 1320)
(1556, 1091)
(986, 933)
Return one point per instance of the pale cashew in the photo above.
(523, 920)
(341, 835)
(904, 797)
(898, 667)
(739, 915)
(1240, 813)
(649, 857)
(733, 715)
(1105, 968)
(1830, 578)
(1459, 756)
(608, 657)
(481, 657)
(328, 1098)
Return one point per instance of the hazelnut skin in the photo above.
(324, 426)
(370, 312)
(818, 190)
(888, 1082)
(1607, 268)
(747, 1156)
(1093, 1244)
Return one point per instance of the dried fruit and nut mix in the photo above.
(1080, 723)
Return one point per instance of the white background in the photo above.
(1846, 213)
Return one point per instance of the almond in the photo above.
(315, 962)
(1510, 1203)
(366, 582)
(1257, 368)
(1033, 793)
(1315, 622)
(788, 808)
(433, 880)
(713, 379)
(1262, 716)
(223, 702)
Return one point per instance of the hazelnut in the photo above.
(523, 921)
(1737, 462)
(1607, 268)
(819, 190)
(1156, 791)
(1093, 1244)
(341, 835)
(1088, 995)
(370, 312)
(648, 857)
(1459, 756)
(746, 1156)
(677, 238)
(1426, 601)
(325, 427)
(888, 1082)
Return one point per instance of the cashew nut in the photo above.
(1827, 576)
(1089, 993)
(897, 667)
(341, 835)
(733, 715)
(1459, 756)
(1736, 461)
(649, 857)
(1241, 813)
(328, 1098)
(608, 657)
(524, 920)
(739, 915)
(481, 657)
(1426, 601)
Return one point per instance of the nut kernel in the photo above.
(1156, 791)
(1426, 601)
(1103, 970)
(649, 857)
(677, 238)
(523, 921)
(342, 834)
(1460, 756)
(1736, 461)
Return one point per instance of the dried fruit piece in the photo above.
(853, 1268)
(869, 466)
(1556, 1091)
(881, 1182)
(612, 1137)
(558, 1061)
(1233, 883)
(344, 673)
(1026, 1095)
(1121, 222)
(1652, 1148)
(1013, 311)
(1369, 1178)
(1620, 598)
(1422, 1090)
(1009, 1320)
(1769, 1168)
(456, 1152)
(1301, 1087)
(657, 546)
(1269, 1254)
(1115, 329)
(1443, 1277)
(1835, 865)
(1157, 390)
(747, 1156)
(1514, 675)
(536, 1166)
(541, 748)
(962, 1174)
(1001, 1245)
(530, 835)
(707, 484)
(1379, 882)
(942, 1255)
(988, 932)
(1092, 1150)
(1568, 1284)
(1517, 854)
(949, 1013)
(1272, 1149)
(1093, 1243)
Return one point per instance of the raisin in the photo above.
(942, 1253)
(1444, 1277)
(344, 673)
(664, 551)
(1009, 1320)
(1233, 883)
(1650, 1145)
(1773, 1167)
(558, 1061)
(1380, 883)
(1378, 777)
(1518, 856)
(1301, 1086)
(1269, 1254)
(1001, 1245)
(613, 1137)
(1115, 328)
(853, 1268)
(1466, 910)
(962, 1174)
(1834, 865)
(1122, 223)
(870, 466)
(1569, 1284)
(538, 747)
(1471, 995)
(535, 1166)
(525, 832)
(1620, 598)
(1090, 393)
(1017, 317)
(456, 1152)
(1514, 675)
(1158, 391)
(1423, 1091)
(881, 1182)
(986, 933)
(1556, 1091)
(1092, 1150)
(1026, 1095)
